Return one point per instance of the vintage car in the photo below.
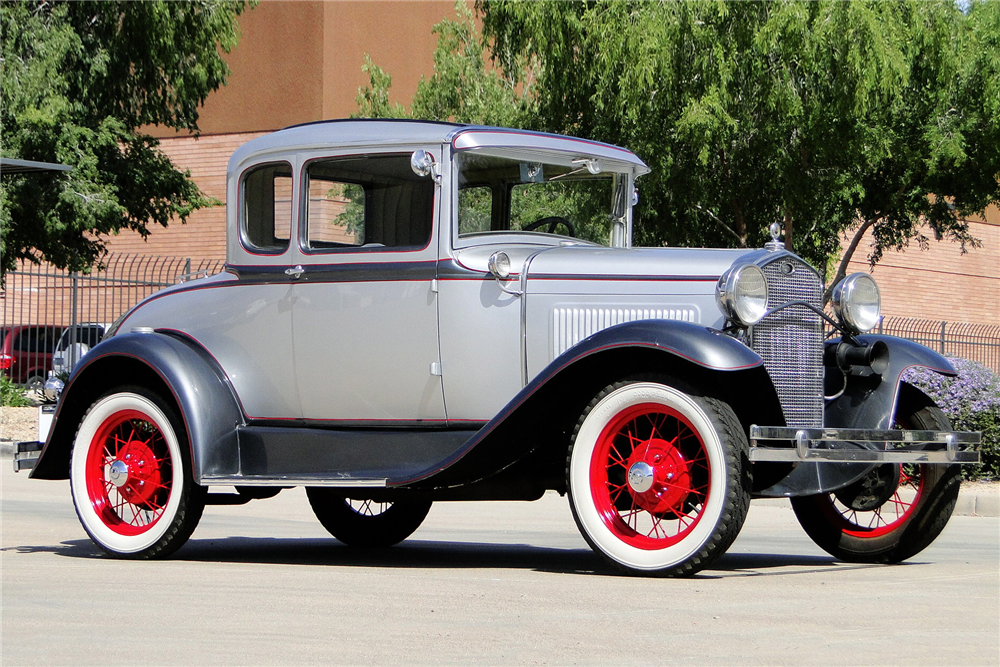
(415, 312)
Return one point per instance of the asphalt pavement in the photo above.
(478, 583)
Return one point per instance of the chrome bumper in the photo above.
(863, 445)
(26, 455)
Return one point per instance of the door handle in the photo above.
(295, 272)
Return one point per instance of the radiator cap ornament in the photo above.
(775, 242)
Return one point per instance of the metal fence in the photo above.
(977, 342)
(42, 295)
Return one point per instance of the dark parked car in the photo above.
(26, 353)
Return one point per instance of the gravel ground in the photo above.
(18, 424)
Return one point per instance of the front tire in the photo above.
(658, 479)
(130, 476)
(366, 523)
(891, 514)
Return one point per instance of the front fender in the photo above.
(867, 401)
(871, 401)
(543, 413)
(171, 364)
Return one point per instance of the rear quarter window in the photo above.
(266, 214)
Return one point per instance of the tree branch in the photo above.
(848, 256)
(739, 239)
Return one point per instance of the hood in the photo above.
(583, 263)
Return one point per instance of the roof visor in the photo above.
(612, 158)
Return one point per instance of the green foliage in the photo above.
(825, 116)
(971, 400)
(12, 396)
(463, 89)
(79, 80)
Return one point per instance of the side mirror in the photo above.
(422, 163)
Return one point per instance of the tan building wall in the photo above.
(298, 62)
(941, 283)
(204, 234)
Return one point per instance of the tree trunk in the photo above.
(788, 230)
(846, 259)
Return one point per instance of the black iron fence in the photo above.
(977, 342)
(40, 298)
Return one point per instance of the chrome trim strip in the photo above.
(912, 447)
(863, 435)
(758, 454)
(294, 480)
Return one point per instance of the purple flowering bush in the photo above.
(972, 402)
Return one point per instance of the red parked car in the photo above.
(26, 353)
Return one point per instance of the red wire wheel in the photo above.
(894, 511)
(130, 477)
(656, 479)
(883, 518)
(129, 472)
(650, 476)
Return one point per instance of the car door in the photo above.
(365, 320)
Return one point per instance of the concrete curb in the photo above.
(970, 503)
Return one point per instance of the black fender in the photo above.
(864, 399)
(170, 363)
(542, 415)
(870, 401)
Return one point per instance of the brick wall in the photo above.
(204, 234)
(941, 283)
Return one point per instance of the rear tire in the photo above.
(658, 479)
(891, 514)
(130, 476)
(366, 523)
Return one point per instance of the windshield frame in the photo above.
(622, 179)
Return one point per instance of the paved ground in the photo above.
(479, 583)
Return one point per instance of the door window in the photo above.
(367, 201)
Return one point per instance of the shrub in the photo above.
(11, 396)
(972, 402)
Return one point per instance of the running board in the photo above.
(896, 446)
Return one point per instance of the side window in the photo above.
(336, 214)
(267, 208)
(27, 341)
(367, 200)
(35, 340)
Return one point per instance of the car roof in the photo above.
(390, 132)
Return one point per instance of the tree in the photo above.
(831, 118)
(464, 87)
(79, 81)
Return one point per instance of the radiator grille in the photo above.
(790, 341)
(571, 325)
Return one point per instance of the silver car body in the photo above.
(388, 345)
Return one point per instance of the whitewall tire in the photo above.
(658, 479)
(130, 476)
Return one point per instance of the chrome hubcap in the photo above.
(118, 473)
(640, 477)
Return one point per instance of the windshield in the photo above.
(573, 199)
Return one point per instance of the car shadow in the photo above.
(420, 554)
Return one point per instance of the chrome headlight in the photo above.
(742, 294)
(857, 303)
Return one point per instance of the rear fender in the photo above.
(174, 366)
(540, 419)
